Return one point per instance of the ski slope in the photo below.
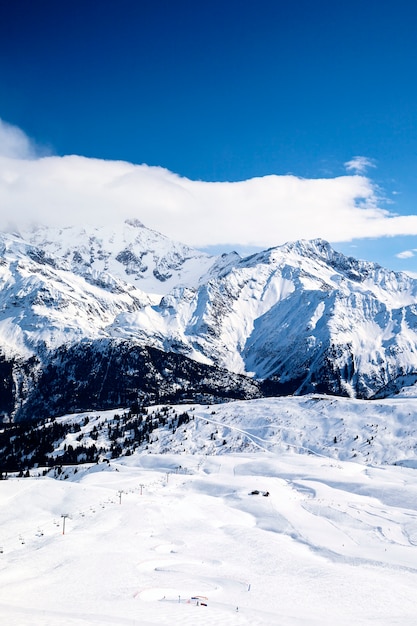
(182, 539)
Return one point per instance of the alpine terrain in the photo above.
(190, 439)
(95, 318)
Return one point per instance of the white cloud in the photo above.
(359, 164)
(406, 254)
(14, 144)
(258, 212)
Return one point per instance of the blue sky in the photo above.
(226, 91)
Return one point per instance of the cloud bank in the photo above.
(263, 212)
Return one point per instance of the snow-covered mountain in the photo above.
(303, 314)
(43, 304)
(128, 251)
(297, 318)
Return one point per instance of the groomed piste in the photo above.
(185, 539)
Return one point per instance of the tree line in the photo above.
(28, 445)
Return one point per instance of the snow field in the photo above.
(333, 542)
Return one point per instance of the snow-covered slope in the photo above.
(247, 513)
(381, 432)
(128, 251)
(162, 540)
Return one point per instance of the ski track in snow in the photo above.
(258, 442)
(147, 542)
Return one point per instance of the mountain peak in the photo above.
(135, 223)
(129, 251)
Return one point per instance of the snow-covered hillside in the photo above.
(266, 537)
(381, 432)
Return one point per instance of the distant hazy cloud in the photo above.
(359, 164)
(407, 254)
(257, 212)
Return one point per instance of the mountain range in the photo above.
(95, 318)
